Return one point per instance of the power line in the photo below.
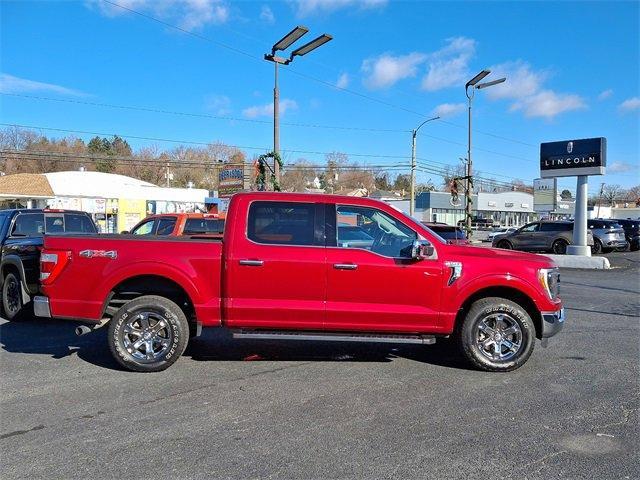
(201, 115)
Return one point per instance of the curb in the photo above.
(580, 261)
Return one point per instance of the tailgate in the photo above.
(96, 265)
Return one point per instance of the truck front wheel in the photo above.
(496, 335)
(148, 334)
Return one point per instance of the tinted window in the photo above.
(449, 233)
(2, 221)
(195, 226)
(166, 225)
(54, 223)
(77, 223)
(145, 228)
(556, 227)
(387, 236)
(532, 227)
(281, 223)
(28, 225)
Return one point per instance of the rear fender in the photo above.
(15, 261)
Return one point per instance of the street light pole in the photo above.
(282, 44)
(470, 88)
(414, 134)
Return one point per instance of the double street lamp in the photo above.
(470, 88)
(281, 45)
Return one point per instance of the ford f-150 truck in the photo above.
(288, 267)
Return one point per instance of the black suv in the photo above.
(631, 231)
(21, 239)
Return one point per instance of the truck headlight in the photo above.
(549, 279)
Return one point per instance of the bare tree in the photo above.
(610, 193)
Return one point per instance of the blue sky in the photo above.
(572, 72)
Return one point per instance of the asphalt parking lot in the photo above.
(248, 409)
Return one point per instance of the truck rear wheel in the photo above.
(148, 334)
(11, 296)
(497, 335)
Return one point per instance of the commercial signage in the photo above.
(230, 180)
(571, 158)
(545, 194)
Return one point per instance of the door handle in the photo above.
(251, 263)
(345, 266)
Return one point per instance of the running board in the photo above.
(334, 337)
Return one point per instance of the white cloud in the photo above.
(385, 70)
(267, 110)
(305, 8)
(548, 104)
(630, 104)
(190, 14)
(11, 84)
(620, 167)
(266, 15)
(449, 66)
(218, 104)
(522, 80)
(448, 109)
(605, 94)
(343, 81)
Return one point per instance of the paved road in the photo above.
(294, 410)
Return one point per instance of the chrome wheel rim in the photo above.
(499, 337)
(13, 296)
(147, 337)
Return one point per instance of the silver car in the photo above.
(607, 235)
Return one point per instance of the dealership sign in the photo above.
(230, 180)
(571, 158)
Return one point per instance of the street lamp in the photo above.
(414, 133)
(281, 45)
(470, 88)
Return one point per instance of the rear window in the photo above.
(166, 225)
(77, 223)
(28, 225)
(280, 223)
(199, 226)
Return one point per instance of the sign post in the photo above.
(579, 158)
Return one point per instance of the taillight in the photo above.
(52, 262)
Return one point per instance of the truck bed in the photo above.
(105, 266)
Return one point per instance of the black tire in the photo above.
(559, 247)
(519, 344)
(596, 248)
(11, 296)
(505, 245)
(634, 247)
(166, 330)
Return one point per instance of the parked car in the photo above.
(452, 235)
(174, 224)
(544, 236)
(21, 238)
(607, 235)
(634, 244)
(282, 272)
(500, 231)
(631, 229)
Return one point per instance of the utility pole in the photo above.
(473, 83)
(282, 44)
(168, 176)
(599, 199)
(414, 134)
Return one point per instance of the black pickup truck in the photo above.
(21, 239)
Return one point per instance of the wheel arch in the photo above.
(13, 263)
(508, 292)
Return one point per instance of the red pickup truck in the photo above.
(303, 267)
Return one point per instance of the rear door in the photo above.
(376, 285)
(275, 269)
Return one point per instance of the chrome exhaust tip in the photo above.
(82, 330)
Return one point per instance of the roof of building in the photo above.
(25, 185)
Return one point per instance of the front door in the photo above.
(373, 284)
(527, 236)
(275, 272)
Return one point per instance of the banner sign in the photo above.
(571, 158)
(545, 194)
(230, 180)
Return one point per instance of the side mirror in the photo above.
(421, 249)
